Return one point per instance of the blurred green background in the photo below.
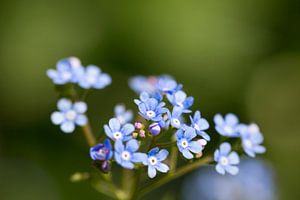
(238, 56)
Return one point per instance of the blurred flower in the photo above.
(67, 71)
(226, 160)
(251, 139)
(69, 114)
(179, 99)
(92, 77)
(102, 151)
(227, 126)
(200, 125)
(125, 155)
(154, 161)
(185, 143)
(141, 84)
(124, 116)
(116, 131)
(167, 85)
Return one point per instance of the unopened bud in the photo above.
(142, 134)
(135, 134)
(138, 125)
(106, 166)
(154, 129)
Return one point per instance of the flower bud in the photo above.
(135, 134)
(142, 134)
(105, 166)
(154, 129)
(138, 125)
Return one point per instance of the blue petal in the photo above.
(119, 146)
(80, 107)
(107, 131)
(180, 96)
(187, 154)
(197, 116)
(107, 144)
(81, 120)
(67, 127)
(118, 158)
(139, 157)
(220, 169)
(162, 155)
(127, 164)
(225, 148)
(217, 155)
(218, 119)
(188, 102)
(64, 104)
(203, 124)
(162, 167)
(127, 129)
(57, 118)
(231, 119)
(151, 171)
(233, 170)
(233, 158)
(195, 147)
(204, 135)
(153, 151)
(114, 124)
(132, 145)
(190, 133)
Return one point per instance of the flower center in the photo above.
(91, 79)
(103, 151)
(71, 115)
(117, 135)
(176, 122)
(150, 113)
(247, 143)
(197, 127)
(66, 75)
(228, 129)
(184, 143)
(152, 160)
(125, 155)
(253, 128)
(224, 160)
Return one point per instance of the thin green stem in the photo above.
(89, 136)
(167, 144)
(176, 174)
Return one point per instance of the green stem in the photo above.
(171, 176)
(89, 136)
(167, 144)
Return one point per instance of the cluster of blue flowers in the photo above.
(163, 108)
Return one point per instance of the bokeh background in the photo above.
(232, 56)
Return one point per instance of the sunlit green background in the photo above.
(239, 56)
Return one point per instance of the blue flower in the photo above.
(180, 99)
(226, 160)
(67, 71)
(150, 108)
(102, 151)
(174, 118)
(167, 85)
(251, 139)
(116, 131)
(69, 114)
(154, 161)
(185, 143)
(126, 156)
(92, 77)
(141, 84)
(124, 116)
(200, 125)
(227, 126)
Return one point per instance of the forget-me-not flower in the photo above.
(185, 144)
(226, 160)
(116, 131)
(69, 114)
(154, 161)
(102, 151)
(67, 71)
(227, 126)
(251, 139)
(92, 77)
(174, 118)
(200, 125)
(180, 99)
(168, 85)
(126, 156)
(124, 116)
(141, 84)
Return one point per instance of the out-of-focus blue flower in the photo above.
(179, 99)
(126, 156)
(116, 131)
(174, 118)
(226, 160)
(255, 181)
(185, 144)
(92, 77)
(67, 71)
(200, 125)
(227, 126)
(124, 116)
(141, 84)
(251, 139)
(150, 108)
(167, 85)
(154, 161)
(69, 114)
(102, 151)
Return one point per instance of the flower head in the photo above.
(167, 85)
(102, 151)
(141, 84)
(200, 125)
(92, 77)
(227, 126)
(251, 139)
(174, 118)
(185, 144)
(154, 161)
(124, 116)
(116, 131)
(180, 100)
(69, 115)
(67, 71)
(126, 156)
(226, 159)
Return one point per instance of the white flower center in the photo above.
(176, 122)
(184, 143)
(125, 155)
(197, 127)
(228, 129)
(224, 160)
(117, 135)
(152, 160)
(91, 79)
(247, 143)
(253, 128)
(66, 75)
(71, 115)
(150, 113)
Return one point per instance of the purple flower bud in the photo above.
(138, 125)
(142, 134)
(154, 129)
(106, 166)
